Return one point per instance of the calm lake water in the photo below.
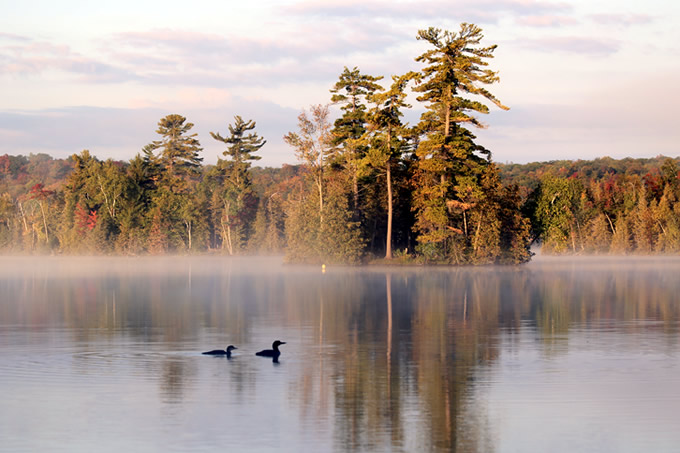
(560, 355)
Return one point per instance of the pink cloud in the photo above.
(546, 21)
(573, 44)
(483, 11)
(28, 58)
(622, 19)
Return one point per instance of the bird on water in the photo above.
(226, 352)
(273, 352)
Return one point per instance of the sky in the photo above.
(582, 79)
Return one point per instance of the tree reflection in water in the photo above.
(383, 359)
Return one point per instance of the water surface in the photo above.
(559, 355)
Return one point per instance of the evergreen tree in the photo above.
(388, 138)
(351, 90)
(139, 185)
(454, 69)
(179, 151)
(621, 243)
(238, 205)
(599, 236)
(174, 172)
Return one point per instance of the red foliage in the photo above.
(84, 219)
(38, 191)
(654, 184)
(92, 220)
(81, 215)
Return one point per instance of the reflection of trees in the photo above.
(454, 331)
(176, 373)
(395, 355)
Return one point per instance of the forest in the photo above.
(598, 206)
(367, 187)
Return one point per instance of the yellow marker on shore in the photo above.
(323, 268)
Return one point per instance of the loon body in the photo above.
(226, 352)
(274, 352)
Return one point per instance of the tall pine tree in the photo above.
(450, 162)
(238, 202)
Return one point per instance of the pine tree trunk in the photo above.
(227, 231)
(319, 186)
(229, 245)
(447, 129)
(355, 189)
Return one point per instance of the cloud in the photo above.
(546, 21)
(482, 11)
(29, 58)
(311, 52)
(622, 19)
(592, 47)
(604, 122)
(13, 37)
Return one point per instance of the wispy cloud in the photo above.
(482, 11)
(29, 57)
(311, 52)
(622, 19)
(13, 37)
(547, 20)
(592, 47)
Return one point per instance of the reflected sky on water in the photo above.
(560, 355)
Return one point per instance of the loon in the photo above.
(226, 352)
(274, 352)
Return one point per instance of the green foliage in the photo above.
(450, 163)
(179, 152)
(366, 182)
(557, 211)
(336, 240)
(234, 203)
(607, 206)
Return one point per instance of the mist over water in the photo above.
(560, 355)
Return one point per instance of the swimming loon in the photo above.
(274, 352)
(226, 352)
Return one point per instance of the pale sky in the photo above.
(583, 79)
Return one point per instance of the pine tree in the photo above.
(174, 173)
(388, 139)
(238, 205)
(454, 69)
(179, 156)
(351, 89)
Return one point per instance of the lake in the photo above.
(560, 355)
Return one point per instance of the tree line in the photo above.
(603, 206)
(575, 207)
(369, 185)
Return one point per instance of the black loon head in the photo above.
(230, 348)
(277, 343)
